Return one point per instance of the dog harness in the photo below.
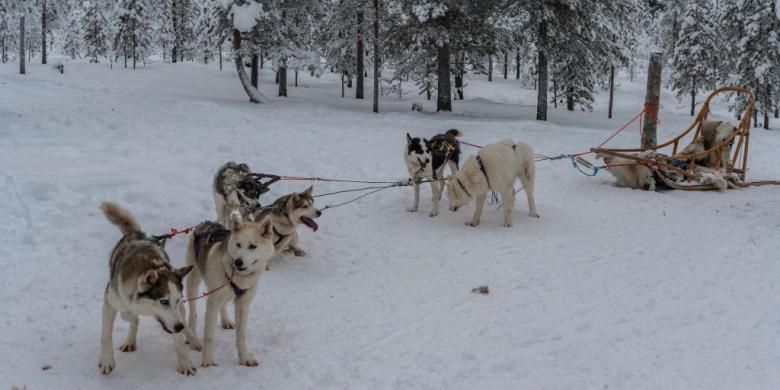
(281, 236)
(482, 168)
(236, 290)
(460, 183)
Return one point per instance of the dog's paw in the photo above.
(186, 368)
(472, 223)
(534, 215)
(127, 347)
(195, 345)
(299, 252)
(433, 214)
(507, 225)
(248, 361)
(227, 324)
(106, 365)
(208, 362)
(412, 209)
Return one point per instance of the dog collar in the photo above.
(482, 168)
(281, 236)
(236, 290)
(460, 183)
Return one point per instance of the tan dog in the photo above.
(142, 283)
(628, 173)
(496, 167)
(233, 266)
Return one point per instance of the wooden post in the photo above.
(22, 69)
(611, 89)
(652, 100)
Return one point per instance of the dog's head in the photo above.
(159, 294)
(300, 208)
(418, 153)
(251, 244)
(457, 193)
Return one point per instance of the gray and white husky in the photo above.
(142, 283)
(232, 191)
(425, 159)
(230, 262)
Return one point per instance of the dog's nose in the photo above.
(239, 262)
(319, 213)
(178, 327)
(427, 160)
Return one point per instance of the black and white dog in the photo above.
(425, 159)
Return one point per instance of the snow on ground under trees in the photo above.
(610, 289)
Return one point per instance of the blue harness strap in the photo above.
(577, 167)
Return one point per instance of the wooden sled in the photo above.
(684, 165)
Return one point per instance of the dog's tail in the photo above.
(120, 217)
(454, 133)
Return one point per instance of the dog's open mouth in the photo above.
(310, 223)
(241, 269)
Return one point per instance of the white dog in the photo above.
(494, 168)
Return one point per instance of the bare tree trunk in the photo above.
(693, 98)
(255, 96)
(570, 99)
(22, 69)
(44, 16)
(360, 68)
(376, 56)
(555, 94)
(490, 67)
(175, 21)
(517, 64)
(767, 104)
(444, 93)
(652, 99)
(611, 89)
(2, 54)
(342, 84)
(283, 77)
(777, 112)
(755, 112)
(296, 77)
(541, 71)
(349, 79)
(262, 60)
(506, 64)
(254, 70)
(220, 57)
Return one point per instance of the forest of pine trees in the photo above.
(565, 49)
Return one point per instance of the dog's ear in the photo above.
(408, 139)
(183, 271)
(291, 201)
(309, 191)
(236, 221)
(147, 280)
(267, 228)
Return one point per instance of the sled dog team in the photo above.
(230, 255)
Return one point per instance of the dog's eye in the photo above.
(164, 302)
(252, 247)
(238, 244)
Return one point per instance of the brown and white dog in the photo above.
(496, 167)
(233, 190)
(231, 267)
(142, 283)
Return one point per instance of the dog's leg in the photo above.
(193, 280)
(527, 178)
(129, 345)
(212, 310)
(477, 210)
(185, 364)
(189, 333)
(437, 191)
(416, 204)
(508, 201)
(226, 322)
(107, 362)
(453, 167)
(293, 245)
(245, 357)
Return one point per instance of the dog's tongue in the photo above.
(310, 223)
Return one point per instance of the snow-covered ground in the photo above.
(611, 289)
